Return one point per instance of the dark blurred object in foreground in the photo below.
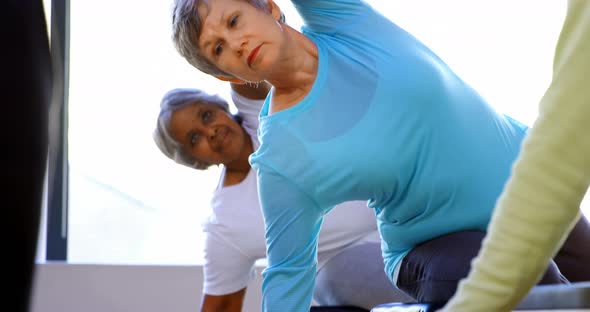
(25, 93)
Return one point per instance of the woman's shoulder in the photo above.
(238, 198)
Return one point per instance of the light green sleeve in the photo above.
(541, 201)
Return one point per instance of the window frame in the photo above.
(56, 230)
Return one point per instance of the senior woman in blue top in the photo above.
(435, 154)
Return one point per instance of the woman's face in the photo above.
(239, 38)
(209, 134)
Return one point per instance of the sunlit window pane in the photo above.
(128, 203)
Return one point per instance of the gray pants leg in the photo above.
(432, 270)
(573, 259)
(356, 277)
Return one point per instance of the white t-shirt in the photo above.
(235, 229)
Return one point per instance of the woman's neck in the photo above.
(298, 69)
(241, 164)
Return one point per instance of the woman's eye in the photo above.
(194, 138)
(206, 116)
(218, 49)
(233, 21)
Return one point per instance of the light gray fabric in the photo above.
(356, 277)
(544, 297)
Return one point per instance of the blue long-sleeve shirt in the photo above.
(434, 158)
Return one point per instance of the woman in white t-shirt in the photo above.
(196, 129)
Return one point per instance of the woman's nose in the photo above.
(238, 44)
(212, 133)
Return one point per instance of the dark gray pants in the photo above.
(356, 277)
(431, 272)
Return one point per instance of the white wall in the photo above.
(61, 287)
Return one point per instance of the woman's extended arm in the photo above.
(228, 303)
(292, 222)
(227, 270)
(542, 198)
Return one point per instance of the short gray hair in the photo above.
(186, 29)
(172, 101)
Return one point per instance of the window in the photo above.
(130, 204)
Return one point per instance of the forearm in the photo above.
(227, 303)
(292, 223)
(541, 200)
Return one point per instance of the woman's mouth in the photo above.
(253, 55)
